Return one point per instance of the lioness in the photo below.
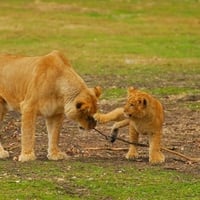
(48, 86)
(144, 115)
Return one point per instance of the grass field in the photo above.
(93, 180)
(105, 38)
(154, 45)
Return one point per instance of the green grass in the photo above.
(153, 45)
(92, 180)
(164, 29)
(174, 90)
(143, 40)
(194, 106)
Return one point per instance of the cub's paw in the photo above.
(132, 154)
(156, 158)
(27, 157)
(100, 118)
(4, 154)
(57, 156)
(114, 133)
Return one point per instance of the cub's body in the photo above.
(144, 115)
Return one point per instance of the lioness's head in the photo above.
(84, 107)
(136, 105)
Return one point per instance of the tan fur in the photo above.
(115, 115)
(48, 86)
(144, 115)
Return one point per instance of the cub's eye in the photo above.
(139, 101)
(132, 105)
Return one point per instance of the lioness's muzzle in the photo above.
(91, 122)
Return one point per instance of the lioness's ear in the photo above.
(97, 91)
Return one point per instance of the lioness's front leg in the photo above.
(28, 133)
(155, 155)
(53, 127)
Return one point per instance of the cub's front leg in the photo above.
(155, 154)
(28, 133)
(54, 124)
(114, 115)
(116, 126)
(133, 137)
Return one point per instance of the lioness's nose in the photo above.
(92, 122)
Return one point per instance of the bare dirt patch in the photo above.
(181, 133)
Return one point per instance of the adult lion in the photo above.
(144, 115)
(48, 86)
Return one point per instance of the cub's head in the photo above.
(85, 106)
(136, 104)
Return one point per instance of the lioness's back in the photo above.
(18, 73)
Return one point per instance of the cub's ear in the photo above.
(97, 91)
(145, 102)
(131, 89)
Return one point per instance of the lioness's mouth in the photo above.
(91, 123)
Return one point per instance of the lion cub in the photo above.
(144, 115)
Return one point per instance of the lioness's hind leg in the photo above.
(3, 110)
(53, 127)
(3, 153)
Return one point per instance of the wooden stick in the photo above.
(145, 145)
(181, 155)
(107, 148)
(162, 148)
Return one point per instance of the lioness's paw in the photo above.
(157, 158)
(58, 156)
(132, 154)
(27, 157)
(4, 154)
